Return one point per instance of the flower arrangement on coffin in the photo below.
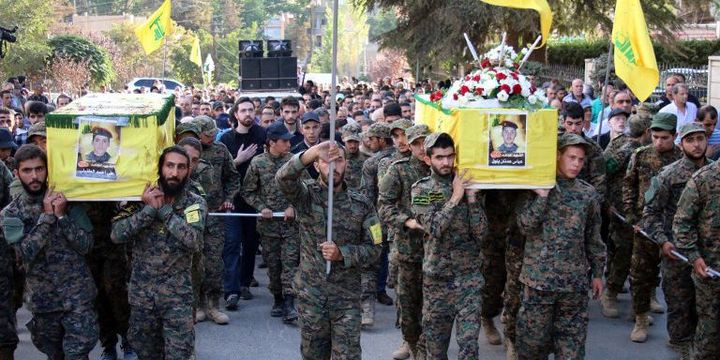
(498, 83)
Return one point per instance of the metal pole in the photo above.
(602, 93)
(333, 110)
(164, 59)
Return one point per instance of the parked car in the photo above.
(147, 83)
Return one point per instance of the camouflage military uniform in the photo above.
(394, 206)
(108, 264)
(8, 332)
(593, 170)
(59, 287)
(500, 216)
(329, 305)
(644, 164)
(10, 163)
(452, 263)
(353, 170)
(696, 227)
(279, 238)
(160, 291)
(562, 250)
(617, 157)
(223, 187)
(660, 206)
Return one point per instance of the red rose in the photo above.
(533, 89)
(485, 63)
(514, 75)
(467, 78)
(455, 97)
(478, 91)
(501, 76)
(464, 90)
(506, 88)
(517, 89)
(476, 78)
(516, 65)
(436, 96)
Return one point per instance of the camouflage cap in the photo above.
(569, 139)
(380, 130)
(402, 124)
(417, 131)
(206, 124)
(431, 139)
(664, 121)
(37, 129)
(639, 123)
(190, 127)
(691, 128)
(351, 132)
(646, 109)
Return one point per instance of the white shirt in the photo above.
(682, 118)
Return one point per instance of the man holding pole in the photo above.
(329, 304)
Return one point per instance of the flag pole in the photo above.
(602, 93)
(164, 59)
(333, 110)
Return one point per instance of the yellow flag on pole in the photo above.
(634, 56)
(195, 56)
(152, 32)
(541, 6)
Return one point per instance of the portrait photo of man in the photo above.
(100, 142)
(509, 133)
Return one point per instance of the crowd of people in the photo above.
(636, 186)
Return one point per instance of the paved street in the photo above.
(253, 335)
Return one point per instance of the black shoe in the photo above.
(263, 265)
(109, 353)
(254, 283)
(384, 299)
(289, 312)
(245, 293)
(278, 307)
(231, 303)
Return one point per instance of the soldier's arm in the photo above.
(598, 174)
(389, 199)
(187, 228)
(230, 177)
(35, 240)
(531, 217)
(7, 179)
(77, 229)
(367, 181)
(478, 221)
(251, 187)
(356, 255)
(131, 221)
(656, 198)
(593, 243)
(629, 190)
(685, 223)
(289, 180)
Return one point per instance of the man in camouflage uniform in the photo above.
(279, 237)
(564, 258)
(660, 206)
(329, 305)
(8, 263)
(645, 163)
(351, 135)
(53, 239)
(697, 236)
(394, 206)
(454, 223)
(617, 157)
(593, 171)
(164, 230)
(219, 194)
(380, 144)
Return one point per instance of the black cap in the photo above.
(6, 139)
(218, 105)
(278, 131)
(392, 109)
(310, 116)
(616, 112)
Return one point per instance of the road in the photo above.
(253, 335)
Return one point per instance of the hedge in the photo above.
(693, 53)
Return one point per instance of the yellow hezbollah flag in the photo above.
(541, 6)
(634, 55)
(152, 33)
(195, 56)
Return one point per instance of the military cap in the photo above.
(402, 124)
(37, 129)
(380, 130)
(190, 127)
(638, 123)
(417, 131)
(691, 128)
(646, 109)
(509, 124)
(351, 132)
(102, 132)
(206, 124)
(616, 112)
(310, 116)
(431, 139)
(664, 121)
(278, 131)
(569, 139)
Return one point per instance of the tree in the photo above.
(388, 62)
(27, 56)
(69, 76)
(352, 40)
(80, 49)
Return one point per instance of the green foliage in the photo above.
(352, 37)
(79, 49)
(380, 22)
(28, 54)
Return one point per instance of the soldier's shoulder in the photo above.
(422, 184)
(219, 146)
(12, 209)
(404, 160)
(358, 196)
(192, 198)
(584, 185)
(707, 172)
(645, 149)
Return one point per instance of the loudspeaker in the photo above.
(250, 85)
(250, 67)
(287, 83)
(288, 67)
(279, 48)
(269, 84)
(269, 68)
(250, 48)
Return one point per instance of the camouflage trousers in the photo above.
(65, 334)
(679, 290)
(328, 326)
(8, 331)
(282, 255)
(448, 301)
(110, 271)
(707, 335)
(410, 303)
(644, 271)
(163, 332)
(552, 320)
(513, 289)
(493, 271)
(197, 273)
(369, 275)
(213, 268)
(619, 260)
